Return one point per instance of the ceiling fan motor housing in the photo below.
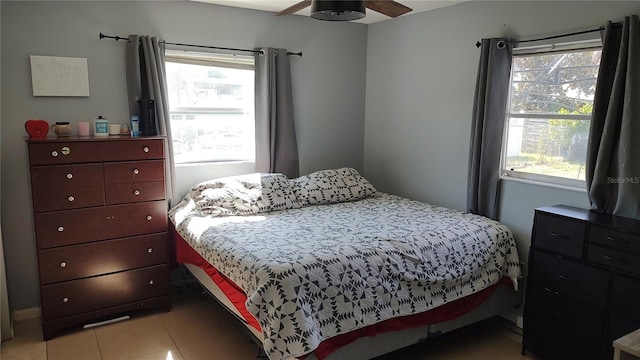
(337, 10)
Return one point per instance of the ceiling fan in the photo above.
(341, 10)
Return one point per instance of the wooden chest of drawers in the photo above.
(101, 227)
(584, 283)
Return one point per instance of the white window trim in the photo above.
(538, 179)
(581, 189)
(558, 47)
(231, 61)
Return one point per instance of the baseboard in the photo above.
(26, 314)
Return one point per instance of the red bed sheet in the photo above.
(185, 254)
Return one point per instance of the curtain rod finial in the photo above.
(478, 44)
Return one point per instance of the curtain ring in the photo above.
(261, 52)
(501, 44)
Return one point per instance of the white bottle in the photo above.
(101, 126)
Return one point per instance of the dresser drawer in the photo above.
(67, 187)
(70, 227)
(51, 178)
(571, 278)
(614, 259)
(79, 296)
(69, 198)
(626, 297)
(78, 261)
(563, 326)
(624, 241)
(560, 235)
(134, 171)
(129, 193)
(53, 153)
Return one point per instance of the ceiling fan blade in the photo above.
(295, 8)
(389, 8)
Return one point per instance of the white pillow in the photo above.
(244, 195)
(331, 187)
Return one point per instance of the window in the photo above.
(549, 113)
(211, 101)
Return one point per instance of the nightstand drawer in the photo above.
(70, 227)
(79, 296)
(570, 278)
(614, 259)
(560, 235)
(134, 171)
(103, 257)
(614, 239)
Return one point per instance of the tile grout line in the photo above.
(170, 336)
(95, 337)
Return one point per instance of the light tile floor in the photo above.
(199, 329)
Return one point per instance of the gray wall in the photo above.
(421, 73)
(328, 84)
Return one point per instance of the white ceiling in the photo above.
(371, 17)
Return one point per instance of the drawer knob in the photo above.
(60, 228)
(145, 149)
(556, 235)
(150, 282)
(54, 153)
(63, 264)
(563, 277)
(71, 198)
(150, 250)
(136, 171)
(65, 299)
(149, 217)
(136, 192)
(616, 240)
(69, 176)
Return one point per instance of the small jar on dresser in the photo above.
(100, 219)
(583, 290)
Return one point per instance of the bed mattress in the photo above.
(313, 273)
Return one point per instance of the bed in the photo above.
(325, 266)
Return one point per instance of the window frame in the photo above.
(540, 179)
(239, 61)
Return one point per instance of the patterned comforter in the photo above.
(319, 271)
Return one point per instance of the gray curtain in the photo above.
(489, 110)
(276, 145)
(613, 152)
(146, 79)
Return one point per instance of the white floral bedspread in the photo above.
(315, 272)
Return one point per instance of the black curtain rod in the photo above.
(116, 38)
(478, 44)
